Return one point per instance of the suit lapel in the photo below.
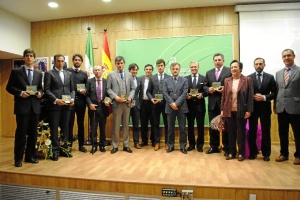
(24, 75)
(295, 72)
(241, 83)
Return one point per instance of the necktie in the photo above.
(135, 83)
(160, 79)
(30, 76)
(286, 75)
(175, 80)
(259, 80)
(217, 73)
(121, 74)
(76, 70)
(194, 81)
(61, 75)
(99, 94)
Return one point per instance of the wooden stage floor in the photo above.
(146, 171)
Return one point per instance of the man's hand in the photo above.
(83, 92)
(154, 101)
(118, 99)
(188, 96)
(71, 103)
(129, 100)
(25, 94)
(60, 102)
(199, 96)
(211, 90)
(221, 89)
(38, 95)
(174, 106)
(93, 106)
(247, 115)
(259, 97)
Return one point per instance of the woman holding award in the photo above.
(236, 107)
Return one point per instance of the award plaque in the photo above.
(66, 98)
(158, 97)
(107, 100)
(80, 87)
(31, 89)
(216, 85)
(193, 92)
(123, 97)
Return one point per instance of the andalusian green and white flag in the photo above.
(89, 55)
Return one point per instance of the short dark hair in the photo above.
(175, 63)
(259, 58)
(218, 54)
(292, 51)
(132, 66)
(240, 64)
(77, 55)
(161, 61)
(58, 55)
(148, 65)
(119, 58)
(26, 51)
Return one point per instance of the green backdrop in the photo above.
(177, 49)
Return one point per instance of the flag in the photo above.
(89, 55)
(106, 60)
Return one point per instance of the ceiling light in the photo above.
(53, 4)
(106, 1)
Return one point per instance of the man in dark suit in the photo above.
(135, 105)
(79, 77)
(96, 92)
(155, 88)
(196, 105)
(120, 88)
(175, 90)
(59, 89)
(27, 107)
(264, 86)
(146, 104)
(218, 74)
(288, 105)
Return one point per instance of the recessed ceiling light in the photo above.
(53, 4)
(106, 1)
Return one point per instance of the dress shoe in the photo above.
(31, 160)
(102, 149)
(114, 150)
(93, 150)
(166, 146)
(107, 143)
(212, 150)
(156, 147)
(137, 146)
(252, 157)
(266, 158)
(127, 149)
(184, 151)
(190, 148)
(143, 144)
(82, 149)
(170, 149)
(18, 163)
(54, 157)
(297, 161)
(241, 158)
(281, 158)
(230, 157)
(199, 150)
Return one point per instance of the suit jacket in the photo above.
(175, 93)
(136, 94)
(200, 103)
(268, 88)
(215, 98)
(288, 96)
(155, 87)
(114, 84)
(91, 94)
(17, 83)
(244, 97)
(54, 88)
(79, 77)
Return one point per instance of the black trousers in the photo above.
(284, 120)
(158, 109)
(135, 118)
(97, 118)
(199, 116)
(146, 116)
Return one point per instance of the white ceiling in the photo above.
(38, 10)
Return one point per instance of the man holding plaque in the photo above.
(155, 94)
(196, 105)
(27, 107)
(175, 90)
(79, 79)
(120, 88)
(96, 95)
(59, 89)
(214, 88)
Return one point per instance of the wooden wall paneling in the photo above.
(226, 193)
(210, 193)
(177, 19)
(192, 17)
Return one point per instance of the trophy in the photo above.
(193, 92)
(158, 97)
(66, 98)
(31, 89)
(80, 87)
(123, 97)
(216, 85)
(107, 100)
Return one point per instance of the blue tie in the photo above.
(30, 76)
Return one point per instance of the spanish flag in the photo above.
(106, 60)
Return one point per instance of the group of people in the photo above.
(145, 99)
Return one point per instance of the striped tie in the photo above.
(286, 75)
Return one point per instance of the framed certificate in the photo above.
(31, 89)
(66, 98)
